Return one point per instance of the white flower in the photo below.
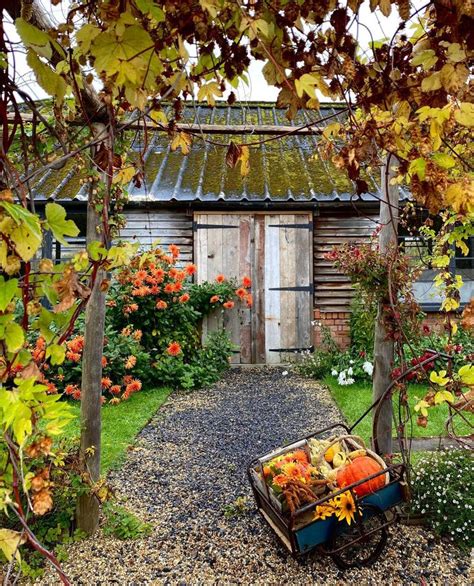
(284, 373)
(342, 377)
(351, 362)
(350, 381)
(350, 372)
(368, 367)
(334, 372)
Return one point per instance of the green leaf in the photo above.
(418, 167)
(7, 291)
(96, 250)
(149, 7)
(425, 58)
(14, 337)
(57, 353)
(57, 223)
(444, 160)
(35, 38)
(52, 83)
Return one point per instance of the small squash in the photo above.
(358, 469)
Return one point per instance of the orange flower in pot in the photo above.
(359, 469)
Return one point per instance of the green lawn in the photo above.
(353, 400)
(121, 423)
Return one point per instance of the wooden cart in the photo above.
(356, 545)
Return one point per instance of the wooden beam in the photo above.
(194, 128)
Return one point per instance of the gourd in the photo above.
(358, 469)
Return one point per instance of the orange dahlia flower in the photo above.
(228, 304)
(130, 362)
(184, 297)
(246, 281)
(241, 292)
(220, 278)
(161, 304)
(190, 269)
(215, 299)
(174, 349)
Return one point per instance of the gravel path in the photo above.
(189, 464)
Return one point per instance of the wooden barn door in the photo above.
(275, 250)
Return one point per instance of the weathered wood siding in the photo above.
(332, 291)
(146, 227)
(164, 226)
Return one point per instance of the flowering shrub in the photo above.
(157, 296)
(350, 367)
(125, 365)
(443, 489)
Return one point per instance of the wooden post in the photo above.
(383, 347)
(87, 514)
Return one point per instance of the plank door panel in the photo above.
(272, 290)
(288, 289)
(223, 246)
(258, 291)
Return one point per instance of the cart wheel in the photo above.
(363, 541)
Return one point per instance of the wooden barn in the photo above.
(275, 225)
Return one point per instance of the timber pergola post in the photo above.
(87, 513)
(383, 345)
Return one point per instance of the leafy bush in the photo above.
(201, 369)
(443, 489)
(362, 323)
(123, 524)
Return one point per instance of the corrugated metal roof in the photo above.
(285, 169)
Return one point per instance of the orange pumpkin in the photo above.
(358, 469)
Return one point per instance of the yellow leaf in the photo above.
(450, 304)
(465, 114)
(182, 140)
(431, 83)
(466, 374)
(443, 397)
(10, 541)
(159, 117)
(124, 176)
(460, 196)
(244, 160)
(308, 83)
(439, 378)
(456, 53)
(422, 407)
(209, 91)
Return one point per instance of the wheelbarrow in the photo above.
(350, 545)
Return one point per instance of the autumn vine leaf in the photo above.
(183, 141)
(57, 223)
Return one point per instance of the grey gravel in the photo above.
(190, 462)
